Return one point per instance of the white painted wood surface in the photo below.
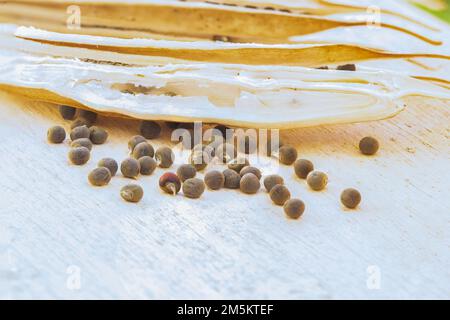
(228, 245)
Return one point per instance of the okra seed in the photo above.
(130, 168)
(79, 155)
(302, 167)
(79, 122)
(150, 129)
(143, 149)
(132, 193)
(238, 163)
(80, 132)
(67, 112)
(288, 155)
(249, 183)
(279, 194)
(350, 198)
(368, 146)
(147, 165)
(294, 208)
(272, 180)
(110, 164)
(214, 180)
(186, 171)
(56, 134)
(232, 179)
(250, 169)
(88, 115)
(193, 188)
(317, 180)
(82, 142)
(98, 135)
(99, 176)
(164, 157)
(134, 141)
(170, 183)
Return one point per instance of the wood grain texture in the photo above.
(228, 245)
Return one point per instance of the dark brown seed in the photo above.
(350, 198)
(232, 179)
(90, 116)
(98, 135)
(67, 112)
(279, 194)
(288, 155)
(82, 142)
(302, 167)
(170, 183)
(272, 180)
(99, 176)
(193, 188)
(238, 163)
(199, 160)
(143, 149)
(250, 169)
(79, 155)
(164, 157)
(110, 164)
(130, 168)
(294, 208)
(150, 129)
(214, 180)
(134, 141)
(80, 132)
(79, 123)
(56, 134)
(147, 164)
(368, 146)
(317, 180)
(249, 183)
(132, 193)
(347, 67)
(186, 171)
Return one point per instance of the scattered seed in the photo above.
(67, 112)
(272, 180)
(110, 164)
(368, 146)
(150, 129)
(98, 135)
(82, 142)
(164, 157)
(186, 171)
(134, 141)
(132, 193)
(232, 179)
(350, 198)
(56, 134)
(317, 180)
(288, 155)
(214, 180)
(294, 208)
(199, 160)
(279, 194)
(170, 183)
(147, 164)
(347, 67)
(193, 188)
(302, 167)
(238, 163)
(88, 115)
(143, 149)
(79, 122)
(79, 155)
(130, 168)
(80, 132)
(99, 176)
(250, 169)
(249, 183)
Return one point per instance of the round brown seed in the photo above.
(186, 171)
(302, 167)
(199, 160)
(193, 188)
(79, 122)
(99, 176)
(214, 180)
(67, 112)
(80, 132)
(288, 155)
(110, 164)
(143, 149)
(147, 164)
(98, 135)
(238, 163)
(134, 141)
(170, 183)
(272, 180)
(82, 142)
(56, 134)
(132, 193)
(232, 179)
(250, 169)
(350, 198)
(79, 155)
(369, 146)
(317, 180)
(150, 129)
(164, 157)
(249, 183)
(90, 116)
(294, 208)
(279, 194)
(130, 168)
